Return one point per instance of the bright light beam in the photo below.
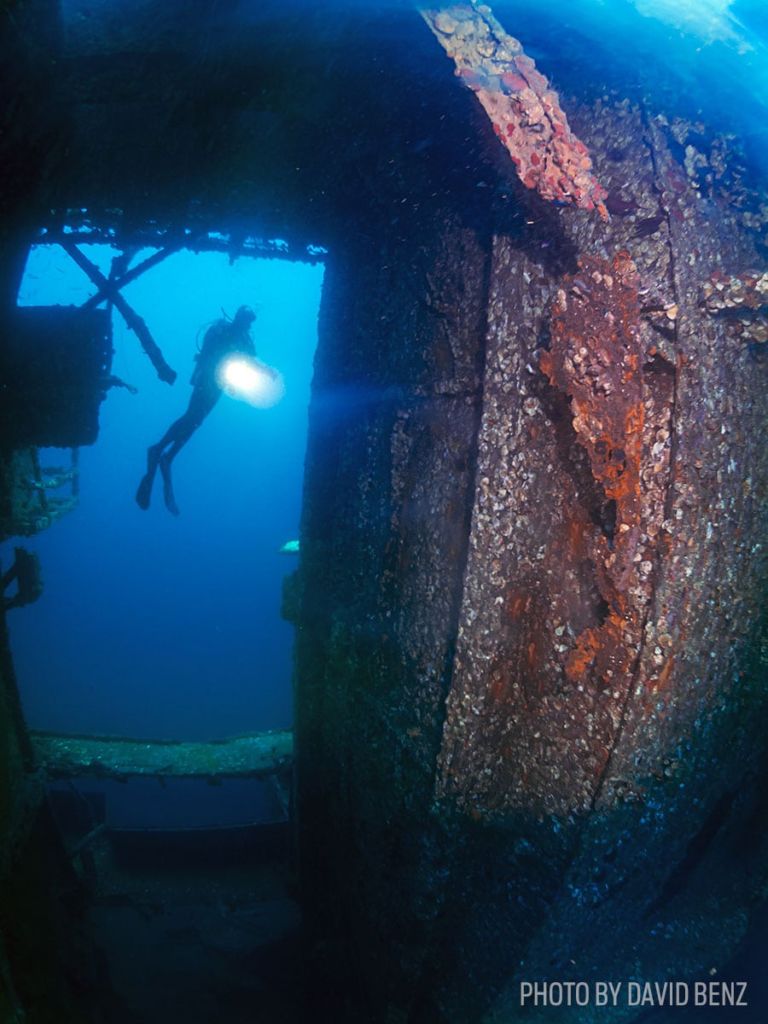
(250, 380)
(710, 20)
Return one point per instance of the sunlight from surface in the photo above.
(710, 20)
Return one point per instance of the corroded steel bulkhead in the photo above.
(536, 718)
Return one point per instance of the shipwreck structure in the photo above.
(531, 653)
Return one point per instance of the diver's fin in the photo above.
(170, 500)
(144, 493)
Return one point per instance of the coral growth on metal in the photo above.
(595, 359)
(557, 600)
(524, 111)
(746, 297)
(749, 290)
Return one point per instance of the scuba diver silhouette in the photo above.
(222, 339)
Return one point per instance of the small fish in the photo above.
(648, 226)
(291, 547)
(619, 206)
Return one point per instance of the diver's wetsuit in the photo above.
(223, 338)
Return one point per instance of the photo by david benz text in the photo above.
(633, 993)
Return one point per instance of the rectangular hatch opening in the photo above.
(149, 625)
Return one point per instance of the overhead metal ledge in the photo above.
(256, 755)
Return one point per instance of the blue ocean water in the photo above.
(694, 58)
(155, 626)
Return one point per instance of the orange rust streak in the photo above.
(583, 655)
(665, 673)
(605, 388)
(576, 531)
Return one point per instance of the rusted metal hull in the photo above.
(531, 701)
